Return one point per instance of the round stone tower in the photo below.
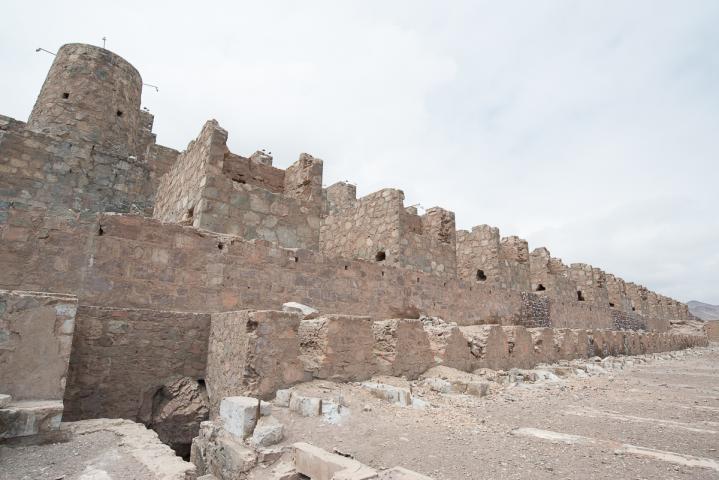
(92, 96)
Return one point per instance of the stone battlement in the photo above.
(89, 147)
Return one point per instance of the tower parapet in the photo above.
(91, 95)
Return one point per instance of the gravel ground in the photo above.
(670, 405)
(667, 406)
(83, 458)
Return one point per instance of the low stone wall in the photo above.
(256, 353)
(35, 338)
(122, 357)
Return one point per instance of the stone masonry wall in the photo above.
(483, 257)
(478, 255)
(367, 229)
(142, 263)
(549, 276)
(428, 242)
(377, 227)
(120, 357)
(35, 338)
(48, 172)
(200, 191)
(514, 262)
(91, 96)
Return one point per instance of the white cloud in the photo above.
(586, 127)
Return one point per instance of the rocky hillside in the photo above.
(704, 310)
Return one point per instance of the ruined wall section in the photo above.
(377, 227)
(514, 262)
(549, 276)
(428, 242)
(617, 294)
(121, 358)
(638, 298)
(340, 195)
(484, 257)
(366, 229)
(36, 331)
(213, 189)
(47, 172)
(478, 255)
(181, 190)
(591, 284)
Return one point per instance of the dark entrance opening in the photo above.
(580, 297)
(540, 288)
(481, 276)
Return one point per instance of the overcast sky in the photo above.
(591, 128)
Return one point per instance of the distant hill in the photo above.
(704, 310)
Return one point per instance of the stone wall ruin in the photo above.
(176, 262)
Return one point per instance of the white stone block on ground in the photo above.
(307, 312)
(30, 417)
(319, 464)
(390, 393)
(240, 415)
(282, 397)
(306, 406)
(268, 431)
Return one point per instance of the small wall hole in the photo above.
(380, 256)
(66, 95)
(540, 288)
(481, 276)
(100, 231)
(580, 297)
(220, 246)
(119, 113)
(297, 259)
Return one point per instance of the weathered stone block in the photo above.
(488, 345)
(240, 415)
(545, 350)
(449, 346)
(35, 339)
(319, 464)
(218, 453)
(390, 393)
(401, 348)
(268, 431)
(520, 346)
(338, 347)
(252, 353)
(305, 406)
(30, 417)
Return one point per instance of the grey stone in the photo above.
(306, 311)
(282, 397)
(268, 431)
(240, 415)
(306, 406)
